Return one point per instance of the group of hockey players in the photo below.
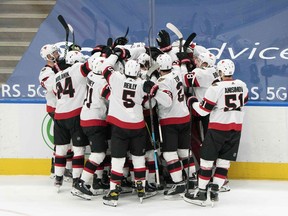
(134, 106)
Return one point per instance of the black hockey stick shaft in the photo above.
(66, 27)
(190, 38)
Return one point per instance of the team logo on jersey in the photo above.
(47, 131)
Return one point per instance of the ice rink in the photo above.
(36, 196)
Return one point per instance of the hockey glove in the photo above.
(120, 41)
(164, 41)
(122, 53)
(183, 57)
(155, 52)
(191, 100)
(98, 48)
(75, 47)
(150, 88)
(106, 51)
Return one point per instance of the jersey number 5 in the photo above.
(127, 98)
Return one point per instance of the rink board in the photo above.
(26, 142)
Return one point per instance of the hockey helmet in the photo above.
(207, 57)
(198, 49)
(132, 68)
(96, 65)
(226, 67)
(47, 50)
(164, 61)
(73, 57)
(143, 59)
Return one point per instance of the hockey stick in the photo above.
(176, 31)
(189, 40)
(150, 71)
(65, 26)
(109, 42)
(189, 150)
(72, 31)
(127, 31)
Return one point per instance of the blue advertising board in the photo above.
(253, 33)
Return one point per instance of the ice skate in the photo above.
(140, 190)
(99, 187)
(111, 199)
(214, 190)
(68, 175)
(150, 190)
(198, 198)
(126, 186)
(58, 182)
(225, 187)
(176, 189)
(80, 189)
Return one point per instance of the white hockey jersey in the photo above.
(70, 89)
(200, 79)
(126, 100)
(94, 110)
(177, 112)
(224, 101)
(46, 79)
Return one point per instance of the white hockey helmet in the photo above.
(47, 50)
(143, 59)
(198, 49)
(164, 61)
(73, 57)
(226, 67)
(96, 65)
(207, 57)
(132, 68)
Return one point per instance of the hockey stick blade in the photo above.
(189, 40)
(127, 31)
(66, 27)
(175, 30)
(63, 22)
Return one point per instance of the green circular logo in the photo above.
(47, 131)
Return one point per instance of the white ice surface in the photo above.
(36, 196)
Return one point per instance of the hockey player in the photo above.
(125, 115)
(174, 119)
(50, 54)
(203, 76)
(224, 101)
(144, 61)
(69, 88)
(93, 122)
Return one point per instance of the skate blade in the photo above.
(112, 203)
(81, 195)
(52, 176)
(195, 202)
(149, 194)
(202, 203)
